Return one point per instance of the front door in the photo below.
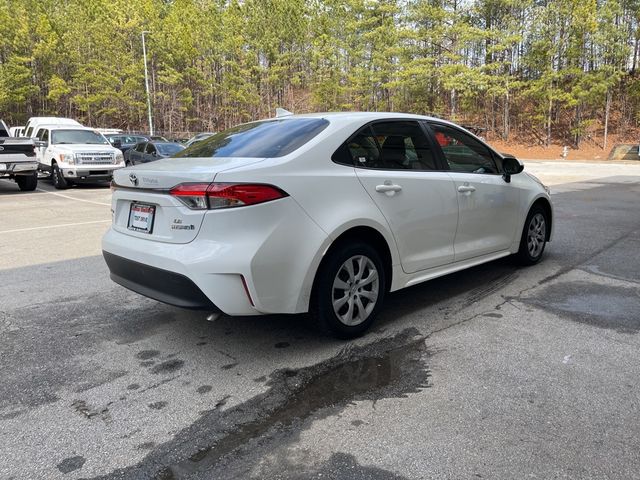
(488, 205)
(395, 163)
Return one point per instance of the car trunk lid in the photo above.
(143, 207)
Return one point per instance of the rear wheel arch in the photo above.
(361, 287)
(367, 235)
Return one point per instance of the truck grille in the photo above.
(94, 158)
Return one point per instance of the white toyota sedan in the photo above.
(323, 213)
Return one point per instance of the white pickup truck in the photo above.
(73, 154)
(18, 160)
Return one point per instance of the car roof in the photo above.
(364, 117)
(66, 127)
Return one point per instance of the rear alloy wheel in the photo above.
(534, 237)
(349, 290)
(27, 183)
(59, 182)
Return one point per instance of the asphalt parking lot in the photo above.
(495, 372)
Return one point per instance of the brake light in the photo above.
(203, 196)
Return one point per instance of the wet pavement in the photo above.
(496, 372)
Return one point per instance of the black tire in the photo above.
(359, 294)
(27, 183)
(534, 238)
(59, 182)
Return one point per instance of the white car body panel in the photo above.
(423, 215)
(487, 216)
(274, 249)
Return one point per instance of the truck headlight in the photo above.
(119, 158)
(68, 158)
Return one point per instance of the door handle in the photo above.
(466, 188)
(388, 187)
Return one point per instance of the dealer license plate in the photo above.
(141, 217)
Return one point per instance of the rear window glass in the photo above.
(270, 138)
(169, 148)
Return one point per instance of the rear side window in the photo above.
(404, 146)
(360, 150)
(399, 145)
(267, 139)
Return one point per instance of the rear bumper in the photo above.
(247, 261)
(17, 168)
(158, 284)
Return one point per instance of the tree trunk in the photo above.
(505, 118)
(550, 112)
(606, 118)
(453, 104)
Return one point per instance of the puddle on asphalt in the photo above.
(391, 373)
(601, 305)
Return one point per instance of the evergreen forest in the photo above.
(553, 70)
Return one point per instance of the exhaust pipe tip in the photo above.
(212, 317)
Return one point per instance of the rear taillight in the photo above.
(203, 196)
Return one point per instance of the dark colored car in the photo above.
(144, 152)
(125, 141)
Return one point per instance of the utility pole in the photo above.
(146, 83)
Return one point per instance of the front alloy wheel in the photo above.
(534, 236)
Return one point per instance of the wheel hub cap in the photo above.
(536, 235)
(355, 290)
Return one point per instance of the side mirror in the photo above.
(511, 166)
(117, 143)
(40, 143)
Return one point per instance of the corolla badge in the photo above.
(133, 179)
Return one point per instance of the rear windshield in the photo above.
(78, 137)
(270, 138)
(169, 148)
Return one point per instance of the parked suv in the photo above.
(76, 154)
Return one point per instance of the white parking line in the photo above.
(72, 198)
(53, 226)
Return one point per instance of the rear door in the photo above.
(135, 154)
(149, 153)
(488, 205)
(395, 163)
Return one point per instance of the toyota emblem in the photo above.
(133, 179)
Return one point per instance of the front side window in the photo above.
(462, 152)
(150, 149)
(77, 137)
(266, 139)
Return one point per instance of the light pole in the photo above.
(146, 83)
